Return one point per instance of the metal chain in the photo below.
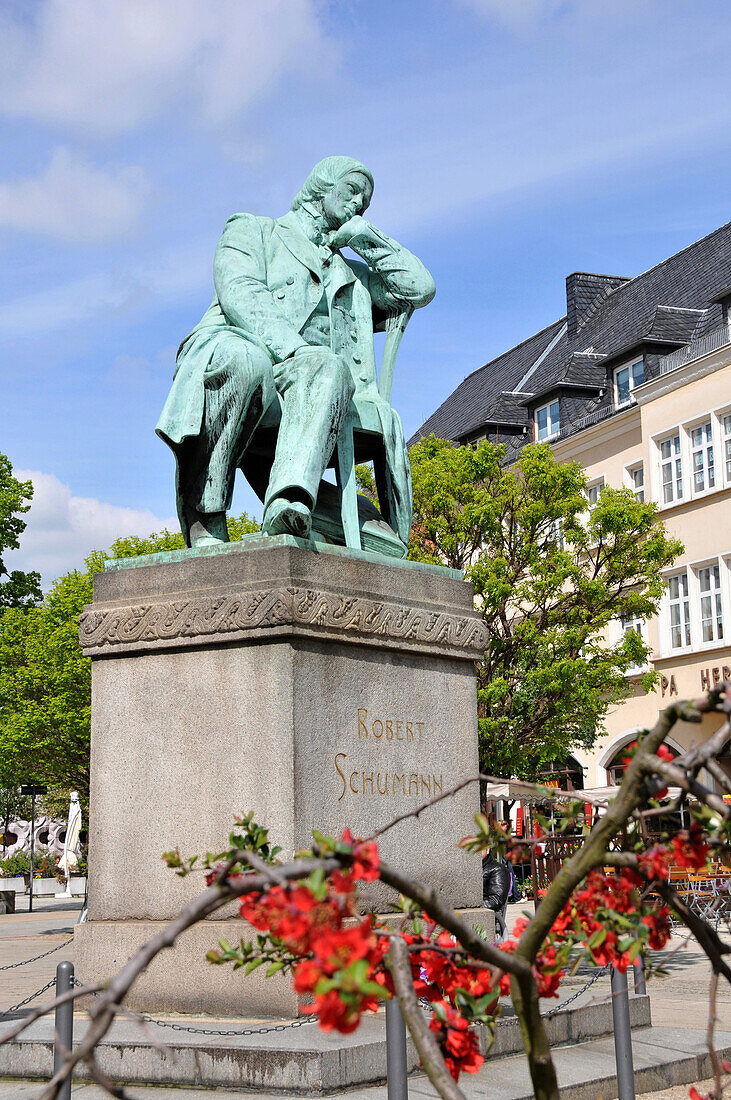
(582, 989)
(208, 1031)
(546, 1015)
(303, 1020)
(13, 966)
(32, 997)
(246, 1031)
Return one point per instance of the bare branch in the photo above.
(712, 1017)
(524, 995)
(104, 1009)
(593, 852)
(398, 963)
(428, 899)
(43, 1010)
(520, 787)
(706, 936)
(679, 778)
(719, 775)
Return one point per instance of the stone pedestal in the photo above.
(317, 687)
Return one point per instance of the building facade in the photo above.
(635, 383)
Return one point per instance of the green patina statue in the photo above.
(280, 373)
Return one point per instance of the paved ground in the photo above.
(679, 999)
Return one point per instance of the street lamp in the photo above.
(32, 789)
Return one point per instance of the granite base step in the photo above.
(293, 1060)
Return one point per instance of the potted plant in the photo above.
(15, 872)
(45, 870)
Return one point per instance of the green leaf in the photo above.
(251, 966)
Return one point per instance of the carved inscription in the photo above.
(365, 781)
(388, 729)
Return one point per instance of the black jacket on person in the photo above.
(495, 883)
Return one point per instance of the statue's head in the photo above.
(338, 187)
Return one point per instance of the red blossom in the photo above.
(655, 863)
(690, 848)
(629, 752)
(659, 925)
(365, 862)
(459, 1045)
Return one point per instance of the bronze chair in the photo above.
(341, 515)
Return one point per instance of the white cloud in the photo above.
(74, 201)
(107, 66)
(162, 278)
(62, 528)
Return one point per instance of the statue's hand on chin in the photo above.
(344, 234)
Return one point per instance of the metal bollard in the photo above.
(398, 1088)
(622, 1036)
(639, 976)
(64, 1037)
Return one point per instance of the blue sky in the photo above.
(512, 141)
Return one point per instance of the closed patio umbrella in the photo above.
(70, 859)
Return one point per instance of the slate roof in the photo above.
(484, 391)
(607, 317)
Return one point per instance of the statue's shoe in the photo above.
(284, 517)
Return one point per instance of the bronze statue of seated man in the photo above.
(291, 323)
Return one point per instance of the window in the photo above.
(555, 533)
(701, 451)
(625, 380)
(593, 491)
(618, 764)
(547, 421)
(726, 425)
(564, 775)
(709, 587)
(636, 476)
(636, 624)
(679, 611)
(671, 469)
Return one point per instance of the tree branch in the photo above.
(707, 937)
(106, 1006)
(593, 852)
(524, 995)
(398, 963)
(429, 900)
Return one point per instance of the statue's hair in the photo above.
(325, 175)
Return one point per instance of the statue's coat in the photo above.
(269, 278)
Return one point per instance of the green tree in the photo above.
(45, 681)
(18, 589)
(550, 578)
(13, 805)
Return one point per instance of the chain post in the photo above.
(398, 1088)
(64, 1029)
(32, 849)
(622, 1036)
(638, 971)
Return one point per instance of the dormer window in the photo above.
(547, 422)
(625, 380)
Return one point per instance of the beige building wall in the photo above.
(688, 405)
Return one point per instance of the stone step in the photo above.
(663, 1057)
(283, 1059)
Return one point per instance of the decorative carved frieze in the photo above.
(305, 610)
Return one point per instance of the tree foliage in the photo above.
(18, 589)
(45, 681)
(551, 578)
